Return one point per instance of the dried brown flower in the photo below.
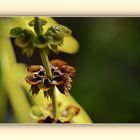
(61, 77)
(35, 77)
(62, 74)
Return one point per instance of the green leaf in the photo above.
(11, 77)
(3, 99)
(17, 31)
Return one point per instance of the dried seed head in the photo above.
(35, 74)
(35, 77)
(62, 74)
(61, 77)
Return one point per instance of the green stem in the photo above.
(46, 64)
(54, 103)
(37, 27)
(45, 60)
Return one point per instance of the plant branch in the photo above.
(45, 60)
(46, 64)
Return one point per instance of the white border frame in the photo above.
(68, 8)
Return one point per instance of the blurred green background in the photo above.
(107, 83)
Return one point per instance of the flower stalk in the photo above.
(44, 52)
(45, 60)
(46, 64)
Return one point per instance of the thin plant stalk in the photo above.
(45, 60)
(46, 64)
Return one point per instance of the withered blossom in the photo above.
(61, 77)
(35, 77)
(62, 74)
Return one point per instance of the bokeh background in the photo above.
(107, 83)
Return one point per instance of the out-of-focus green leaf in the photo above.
(3, 99)
(13, 89)
(11, 72)
(70, 45)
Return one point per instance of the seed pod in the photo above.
(35, 74)
(61, 75)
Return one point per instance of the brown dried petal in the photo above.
(32, 81)
(65, 86)
(68, 69)
(58, 80)
(35, 75)
(46, 86)
(34, 90)
(57, 63)
(34, 68)
(61, 75)
(63, 67)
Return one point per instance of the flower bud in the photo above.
(55, 34)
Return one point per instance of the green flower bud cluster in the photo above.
(24, 39)
(28, 40)
(55, 36)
